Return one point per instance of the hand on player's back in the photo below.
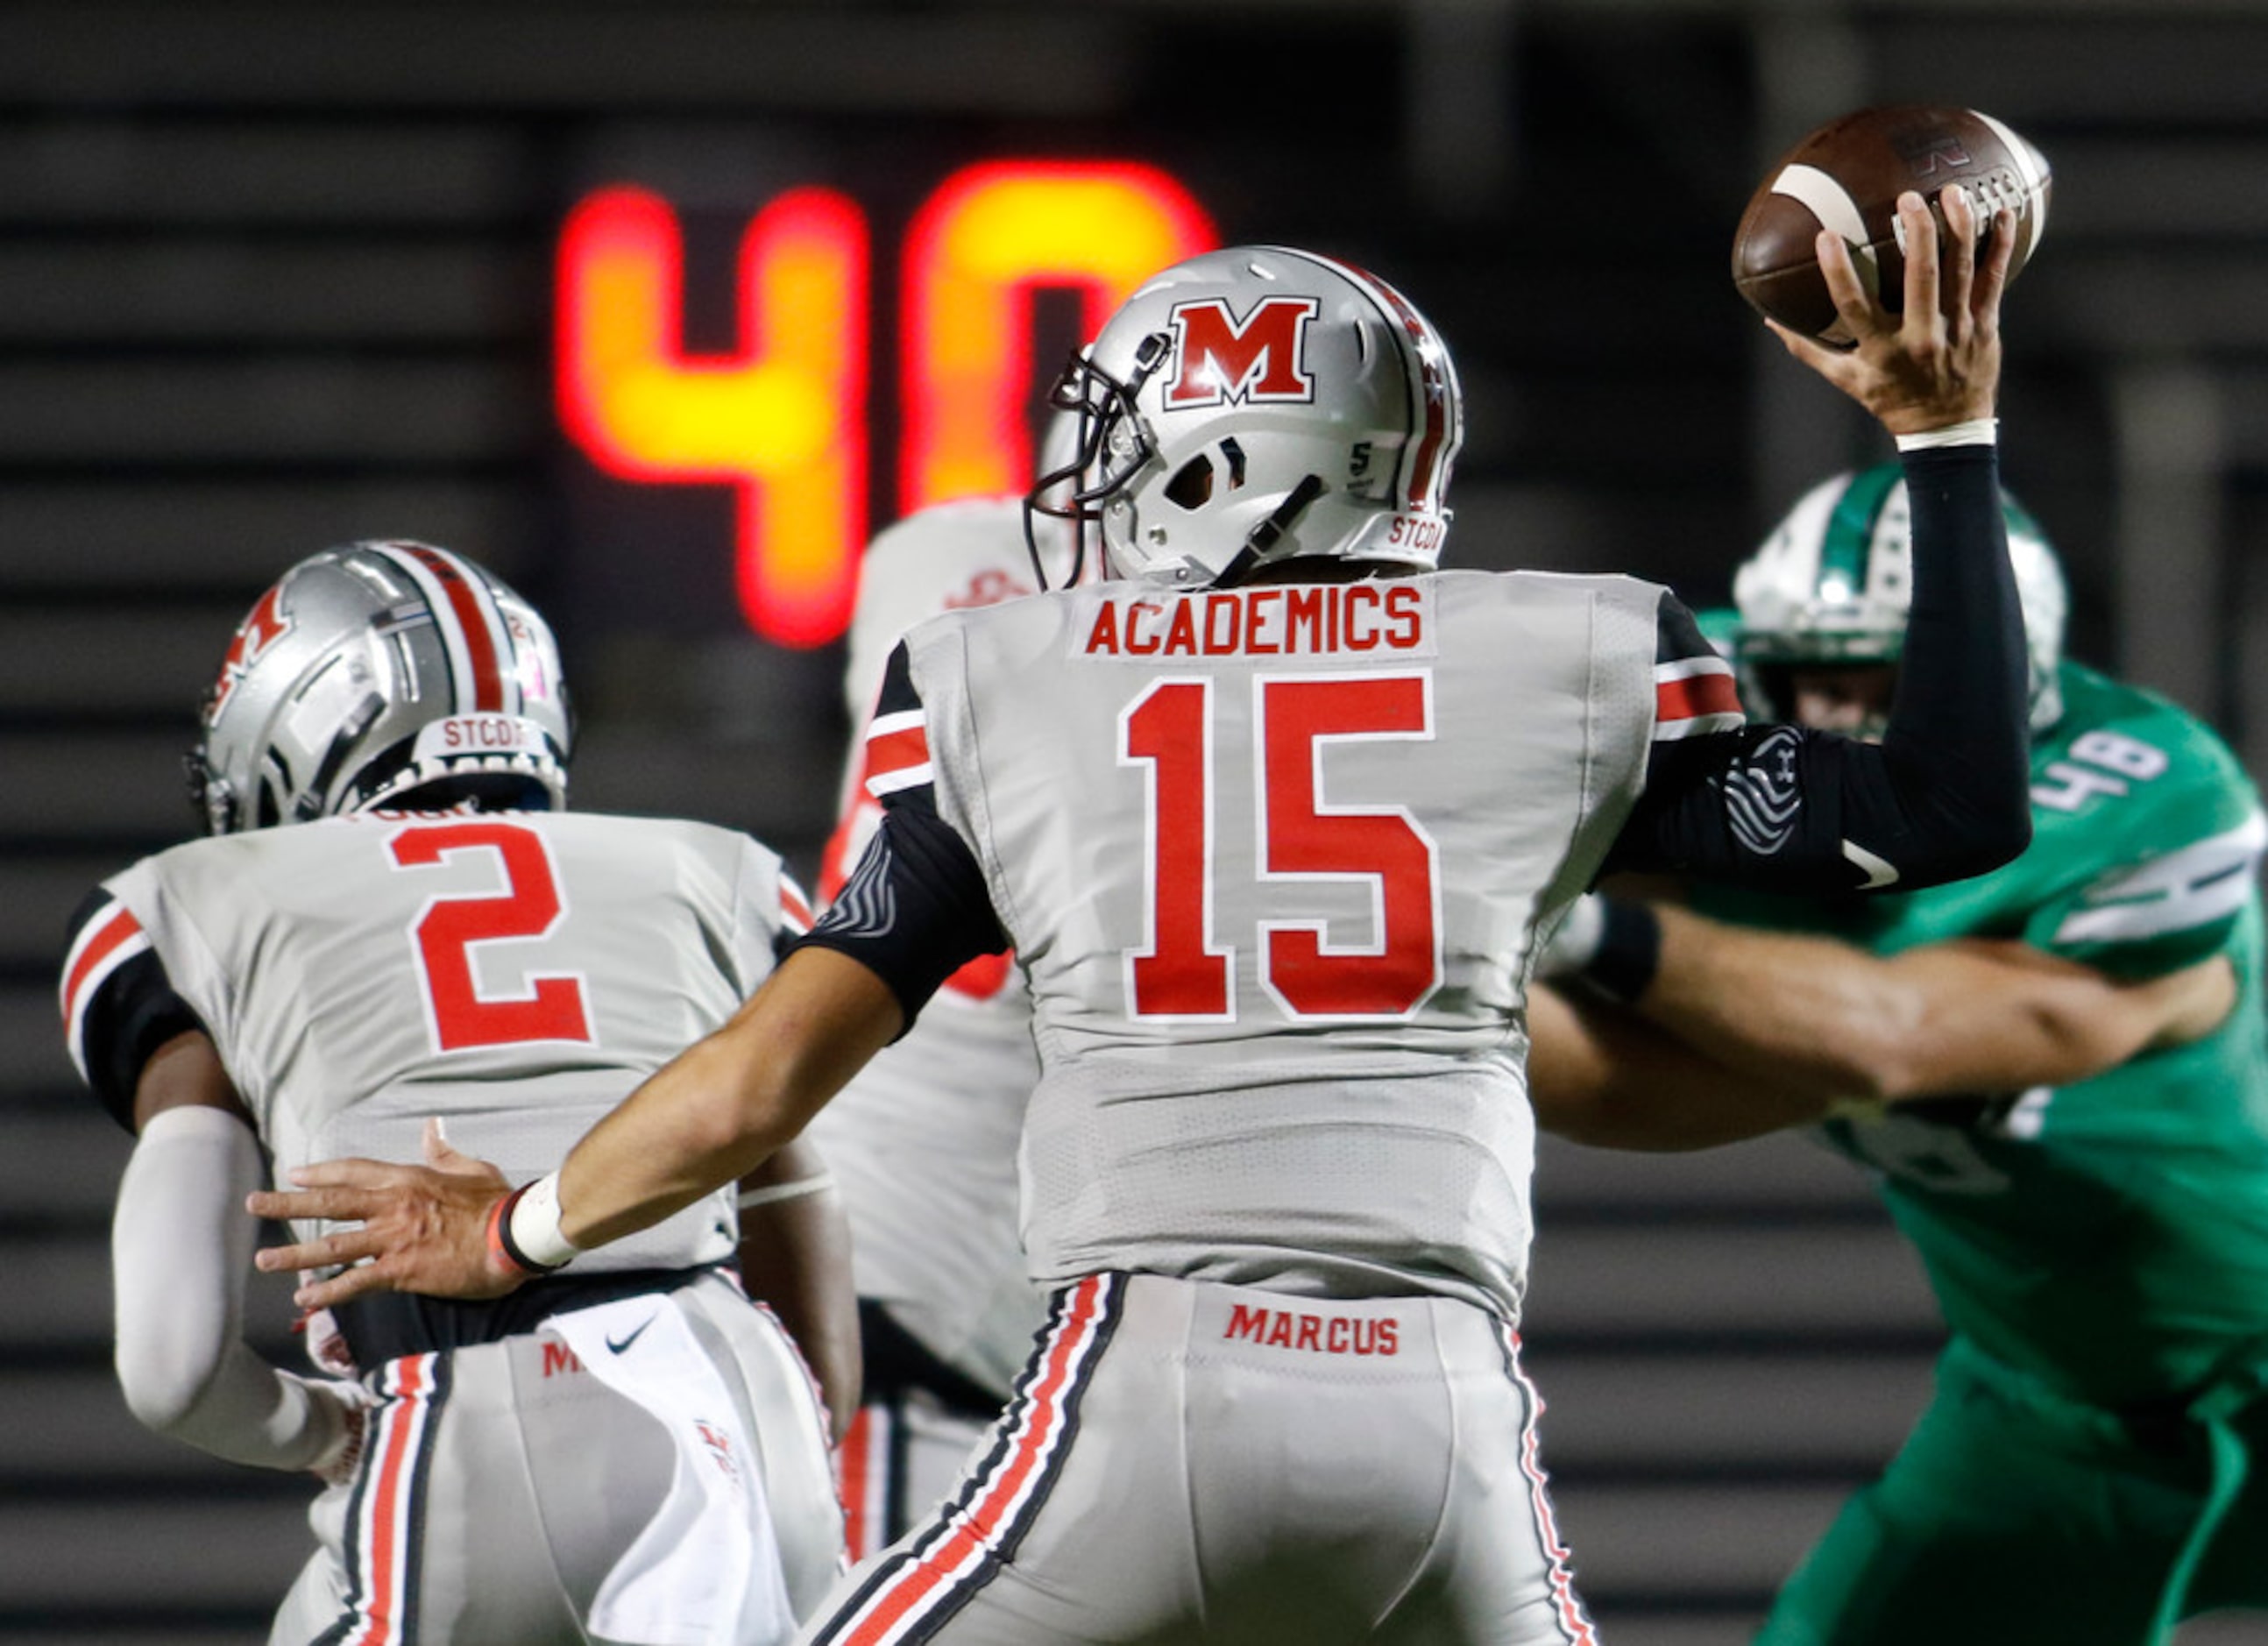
(1938, 362)
(423, 1229)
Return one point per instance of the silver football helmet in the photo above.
(1254, 405)
(1833, 583)
(382, 674)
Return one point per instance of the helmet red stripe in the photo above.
(473, 619)
(1429, 379)
(1433, 390)
(1696, 696)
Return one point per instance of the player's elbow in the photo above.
(1887, 1077)
(1958, 812)
(164, 1376)
(1964, 848)
(2005, 837)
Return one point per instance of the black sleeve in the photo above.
(115, 1023)
(1942, 797)
(915, 910)
(918, 907)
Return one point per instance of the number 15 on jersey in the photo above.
(1185, 970)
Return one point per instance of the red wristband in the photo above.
(503, 1248)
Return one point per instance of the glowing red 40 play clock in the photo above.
(782, 417)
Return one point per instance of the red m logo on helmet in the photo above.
(266, 625)
(1218, 360)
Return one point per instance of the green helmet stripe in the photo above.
(1849, 540)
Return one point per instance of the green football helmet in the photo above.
(1833, 582)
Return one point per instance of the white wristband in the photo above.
(801, 1186)
(535, 1224)
(1976, 432)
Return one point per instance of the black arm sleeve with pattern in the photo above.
(918, 906)
(915, 909)
(131, 1013)
(1942, 797)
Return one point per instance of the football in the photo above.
(1847, 176)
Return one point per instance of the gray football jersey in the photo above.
(1276, 861)
(516, 974)
(924, 1139)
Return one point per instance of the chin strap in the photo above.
(1265, 536)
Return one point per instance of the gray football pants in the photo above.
(903, 1455)
(1188, 1461)
(500, 1486)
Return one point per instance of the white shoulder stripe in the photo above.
(1689, 668)
(2200, 883)
(883, 782)
(90, 986)
(795, 907)
(901, 721)
(90, 933)
(1697, 726)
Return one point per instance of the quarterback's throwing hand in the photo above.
(1937, 361)
(423, 1229)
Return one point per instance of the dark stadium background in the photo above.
(274, 276)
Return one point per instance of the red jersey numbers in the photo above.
(1179, 973)
(1302, 837)
(1182, 972)
(527, 908)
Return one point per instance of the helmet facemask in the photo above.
(1108, 443)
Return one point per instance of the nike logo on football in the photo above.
(621, 1345)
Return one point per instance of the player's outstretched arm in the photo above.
(1601, 1075)
(1812, 1018)
(708, 1116)
(1946, 793)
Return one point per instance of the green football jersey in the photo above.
(2109, 1236)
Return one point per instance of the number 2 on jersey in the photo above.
(1183, 972)
(445, 931)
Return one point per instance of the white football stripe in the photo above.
(2027, 159)
(1828, 201)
